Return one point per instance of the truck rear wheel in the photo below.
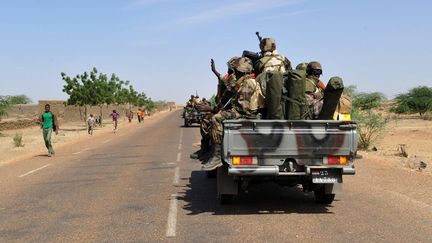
(322, 197)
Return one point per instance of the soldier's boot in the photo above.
(196, 154)
(203, 151)
(216, 160)
(206, 156)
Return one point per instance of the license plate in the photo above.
(324, 176)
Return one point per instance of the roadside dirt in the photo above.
(414, 134)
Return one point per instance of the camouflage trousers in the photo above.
(205, 132)
(216, 129)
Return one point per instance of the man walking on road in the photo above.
(90, 124)
(115, 116)
(48, 123)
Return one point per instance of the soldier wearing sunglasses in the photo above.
(314, 88)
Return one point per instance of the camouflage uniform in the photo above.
(247, 101)
(313, 89)
(271, 68)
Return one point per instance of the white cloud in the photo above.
(236, 9)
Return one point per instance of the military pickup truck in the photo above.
(312, 153)
(192, 115)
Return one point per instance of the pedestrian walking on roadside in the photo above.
(91, 122)
(48, 124)
(130, 116)
(139, 115)
(115, 116)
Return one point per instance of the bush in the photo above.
(417, 100)
(370, 126)
(367, 101)
(18, 140)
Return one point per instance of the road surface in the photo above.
(139, 185)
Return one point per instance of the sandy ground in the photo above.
(415, 133)
(69, 133)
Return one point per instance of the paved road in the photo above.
(140, 185)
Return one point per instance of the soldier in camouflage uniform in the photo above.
(314, 88)
(246, 103)
(224, 94)
(270, 69)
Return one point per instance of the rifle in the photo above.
(254, 56)
(259, 37)
(227, 103)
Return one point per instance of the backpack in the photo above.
(332, 95)
(343, 109)
(295, 105)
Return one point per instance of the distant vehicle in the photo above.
(312, 153)
(192, 115)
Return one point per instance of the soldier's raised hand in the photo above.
(212, 64)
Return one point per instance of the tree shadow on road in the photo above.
(269, 198)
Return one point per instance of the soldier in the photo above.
(223, 96)
(190, 102)
(246, 103)
(270, 69)
(314, 88)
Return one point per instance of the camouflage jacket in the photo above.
(249, 97)
(273, 61)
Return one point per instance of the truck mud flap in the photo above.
(226, 185)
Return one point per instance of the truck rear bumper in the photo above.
(274, 171)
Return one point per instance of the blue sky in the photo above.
(164, 46)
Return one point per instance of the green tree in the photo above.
(213, 101)
(350, 91)
(417, 100)
(4, 105)
(367, 101)
(18, 99)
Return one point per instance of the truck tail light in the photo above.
(337, 160)
(242, 160)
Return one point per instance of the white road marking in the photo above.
(121, 135)
(181, 136)
(33, 171)
(172, 217)
(180, 146)
(81, 151)
(106, 141)
(176, 175)
(178, 156)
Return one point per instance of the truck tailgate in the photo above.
(280, 139)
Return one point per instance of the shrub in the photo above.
(18, 140)
(367, 101)
(370, 126)
(417, 100)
